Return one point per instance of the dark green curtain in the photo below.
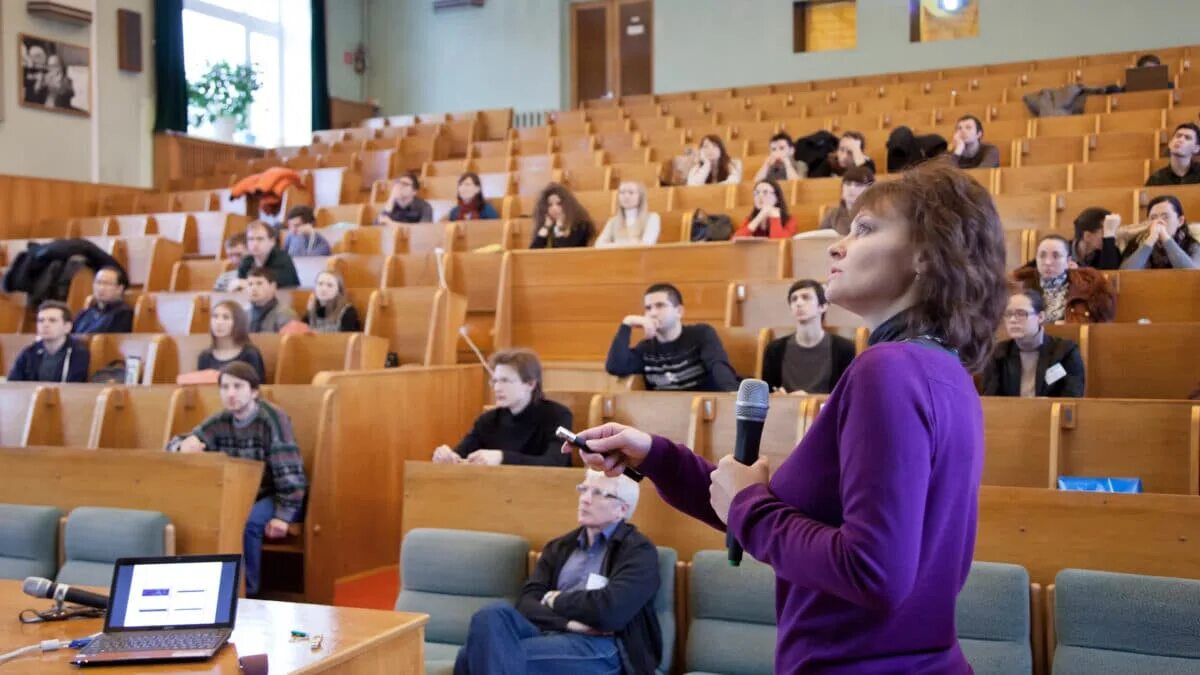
(170, 80)
(320, 74)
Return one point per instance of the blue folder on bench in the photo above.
(1100, 484)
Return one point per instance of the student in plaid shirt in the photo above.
(251, 428)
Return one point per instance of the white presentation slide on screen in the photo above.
(178, 594)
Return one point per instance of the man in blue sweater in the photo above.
(56, 356)
(673, 356)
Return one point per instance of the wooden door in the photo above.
(612, 49)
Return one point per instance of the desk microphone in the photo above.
(753, 399)
(462, 330)
(44, 588)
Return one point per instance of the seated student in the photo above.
(561, 220)
(781, 163)
(672, 356)
(810, 361)
(713, 164)
(108, 312)
(267, 314)
(967, 147)
(769, 218)
(303, 239)
(55, 356)
(403, 204)
(854, 182)
(1031, 363)
(1071, 294)
(520, 429)
(851, 152)
(263, 253)
(251, 428)
(1183, 149)
(230, 330)
(588, 607)
(1095, 243)
(1167, 243)
(634, 224)
(235, 250)
(471, 204)
(329, 311)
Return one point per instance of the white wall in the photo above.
(506, 53)
(343, 32)
(39, 143)
(755, 38)
(516, 52)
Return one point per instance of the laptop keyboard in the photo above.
(172, 641)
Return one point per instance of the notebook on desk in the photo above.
(1147, 78)
(175, 608)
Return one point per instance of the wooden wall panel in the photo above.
(831, 25)
(344, 113)
(25, 202)
(382, 418)
(179, 156)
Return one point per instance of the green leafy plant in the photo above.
(224, 90)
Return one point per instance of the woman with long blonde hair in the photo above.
(329, 311)
(634, 224)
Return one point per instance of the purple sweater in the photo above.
(870, 523)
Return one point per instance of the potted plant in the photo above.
(223, 96)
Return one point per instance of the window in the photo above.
(275, 36)
(824, 25)
(932, 20)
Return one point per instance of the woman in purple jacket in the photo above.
(870, 523)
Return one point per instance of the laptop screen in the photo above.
(177, 592)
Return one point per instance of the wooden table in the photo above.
(356, 640)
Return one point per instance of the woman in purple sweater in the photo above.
(870, 523)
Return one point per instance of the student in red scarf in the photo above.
(471, 204)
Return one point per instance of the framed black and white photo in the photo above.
(54, 75)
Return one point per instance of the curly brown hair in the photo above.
(574, 215)
(962, 288)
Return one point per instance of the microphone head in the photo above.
(462, 330)
(37, 587)
(753, 399)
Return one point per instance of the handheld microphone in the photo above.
(462, 330)
(44, 588)
(753, 399)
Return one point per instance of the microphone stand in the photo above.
(59, 612)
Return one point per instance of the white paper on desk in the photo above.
(595, 582)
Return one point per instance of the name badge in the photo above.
(1055, 373)
(596, 581)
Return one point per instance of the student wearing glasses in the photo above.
(520, 429)
(1031, 363)
(588, 607)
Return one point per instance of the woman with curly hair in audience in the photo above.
(714, 165)
(770, 218)
(1167, 243)
(1072, 294)
(560, 219)
(634, 224)
(869, 524)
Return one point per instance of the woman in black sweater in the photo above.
(1032, 363)
(230, 330)
(520, 429)
(561, 221)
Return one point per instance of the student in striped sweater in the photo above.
(673, 356)
(251, 428)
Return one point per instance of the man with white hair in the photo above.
(589, 605)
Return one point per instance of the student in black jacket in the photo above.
(673, 356)
(108, 312)
(809, 361)
(1032, 363)
(56, 356)
(561, 220)
(520, 429)
(588, 607)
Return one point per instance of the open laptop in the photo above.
(175, 608)
(1147, 78)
